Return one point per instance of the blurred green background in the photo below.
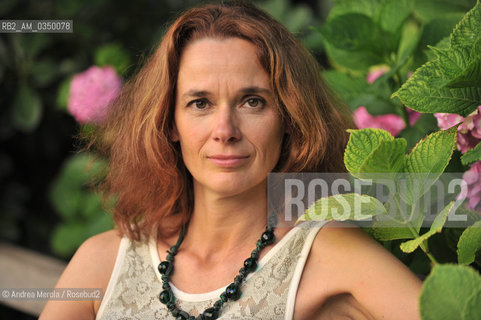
(45, 203)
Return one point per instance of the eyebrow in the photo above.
(248, 90)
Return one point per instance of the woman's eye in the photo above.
(254, 102)
(199, 104)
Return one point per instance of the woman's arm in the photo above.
(375, 278)
(90, 267)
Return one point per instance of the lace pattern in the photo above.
(264, 293)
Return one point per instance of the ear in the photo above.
(174, 134)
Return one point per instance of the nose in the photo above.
(226, 129)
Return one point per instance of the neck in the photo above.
(221, 225)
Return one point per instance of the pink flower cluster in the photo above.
(392, 123)
(469, 135)
(91, 93)
(469, 131)
(472, 177)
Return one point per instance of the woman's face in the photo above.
(229, 129)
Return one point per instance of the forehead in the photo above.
(226, 59)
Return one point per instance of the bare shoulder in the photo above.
(358, 265)
(90, 267)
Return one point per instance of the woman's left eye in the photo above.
(254, 102)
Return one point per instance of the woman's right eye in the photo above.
(199, 104)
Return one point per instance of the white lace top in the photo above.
(267, 293)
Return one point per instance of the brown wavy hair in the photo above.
(147, 177)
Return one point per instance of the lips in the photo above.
(228, 160)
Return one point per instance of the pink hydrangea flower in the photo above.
(469, 131)
(91, 93)
(413, 116)
(447, 120)
(375, 72)
(472, 177)
(392, 123)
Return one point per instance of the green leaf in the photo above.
(410, 37)
(361, 61)
(386, 233)
(469, 77)
(370, 8)
(27, 109)
(468, 30)
(355, 32)
(68, 237)
(361, 144)
(432, 154)
(63, 93)
(439, 28)
(469, 243)
(437, 226)
(398, 223)
(424, 92)
(472, 309)
(33, 44)
(341, 207)
(394, 13)
(43, 72)
(426, 162)
(69, 194)
(427, 10)
(345, 85)
(472, 155)
(388, 157)
(447, 292)
(113, 54)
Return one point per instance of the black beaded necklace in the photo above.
(232, 292)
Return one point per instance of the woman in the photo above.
(228, 96)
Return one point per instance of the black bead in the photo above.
(267, 237)
(165, 286)
(218, 304)
(166, 268)
(171, 306)
(233, 292)
(223, 297)
(210, 314)
(165, 296)
(238, 279)
(165, 278)
(182, 316)
(250, 264)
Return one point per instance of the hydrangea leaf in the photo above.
(426, 162)
(469, 243)
(470, 76)
(437, 226)
(472, 155)
(468, 30)
(447, 292)
(355, 32)
(388, 157)
(425, 92)
(341, 207)
(471, 308)
(370, 8)
(26, 110)
(397, 223)
(451, 82)
(361, 144)
(113, 54)
(394, 13)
